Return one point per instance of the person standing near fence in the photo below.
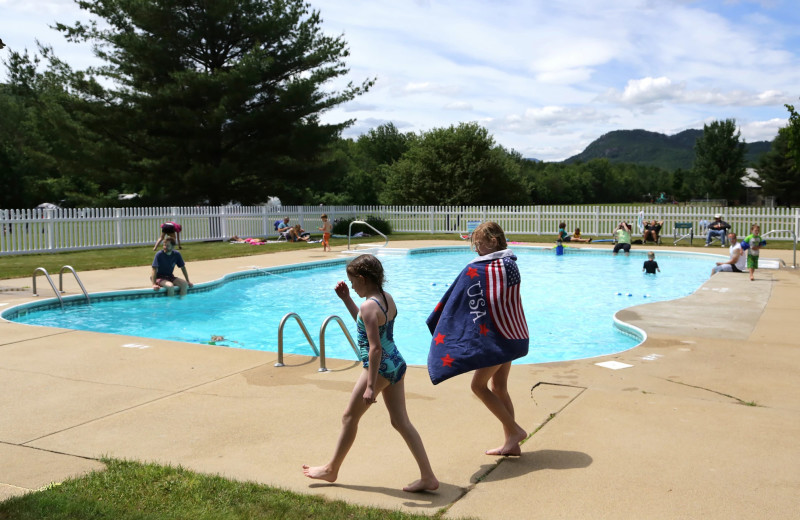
(327, 229)
(172, 230)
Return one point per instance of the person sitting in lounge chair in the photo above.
(652, 230)
(283, 228)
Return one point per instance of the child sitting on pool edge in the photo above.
(384, 372)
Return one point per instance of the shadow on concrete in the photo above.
(513, 467)
(442, 497)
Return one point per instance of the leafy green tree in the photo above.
(455, 166)
(49, 152)
(777, 172)
(719, 160)
(214, 101)
(15, 170)
(793, 138)
(384, 144)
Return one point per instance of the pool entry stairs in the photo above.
(317, 352)
(60, 289)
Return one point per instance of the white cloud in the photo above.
(762, 130)
(546, 78)
(650, 90)
(458, 105)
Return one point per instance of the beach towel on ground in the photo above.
(479, 321)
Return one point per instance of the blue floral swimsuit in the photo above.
(393, 366)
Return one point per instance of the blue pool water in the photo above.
(569, 302)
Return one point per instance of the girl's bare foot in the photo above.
(511, 447)
(423, 484)
(320, 472)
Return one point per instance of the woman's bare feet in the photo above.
(423, 484)
(320, 472)
(511, 448)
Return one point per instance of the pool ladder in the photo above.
(60, 289)
(321, 351)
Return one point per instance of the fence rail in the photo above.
(52, 230)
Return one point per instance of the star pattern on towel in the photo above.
(447, 361)
(484, 330)
(438, 307)
(472, 272)
(439, 339)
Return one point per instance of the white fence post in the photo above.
(50, 226)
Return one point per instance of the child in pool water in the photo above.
(384, 369)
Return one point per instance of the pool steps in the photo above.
(317, 353)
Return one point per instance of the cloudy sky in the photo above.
(545, 77)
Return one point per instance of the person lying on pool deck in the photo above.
(163, 264)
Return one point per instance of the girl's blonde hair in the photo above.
(485, 233)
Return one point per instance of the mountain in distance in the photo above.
(668, 152)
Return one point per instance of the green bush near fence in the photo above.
(342, 226)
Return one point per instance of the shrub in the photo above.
(341, 226)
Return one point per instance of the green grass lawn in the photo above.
(131, 490)
(20, 266)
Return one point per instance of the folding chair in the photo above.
(703, 224)
(683, 230)
(471, 225)
(281, 235)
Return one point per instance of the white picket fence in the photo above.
(51, 230)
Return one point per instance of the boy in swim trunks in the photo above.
(326, 229)
(755, 242)
(383, 372)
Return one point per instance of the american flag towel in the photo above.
(479, 321)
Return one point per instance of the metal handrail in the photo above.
(350, 232)
(47, 275)
(322, 340)
(77, 279)
(280, 336)
(794, 243)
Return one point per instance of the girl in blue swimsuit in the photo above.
(384, 369)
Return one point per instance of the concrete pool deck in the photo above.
(704, 423)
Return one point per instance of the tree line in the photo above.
(211, 102)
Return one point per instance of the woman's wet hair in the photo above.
(485, 232)
(369, 267)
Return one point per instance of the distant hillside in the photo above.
(654, 149)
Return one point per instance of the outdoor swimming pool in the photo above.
(569, 302)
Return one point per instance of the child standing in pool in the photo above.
(383, 372)
(479, 325)
(650, 265)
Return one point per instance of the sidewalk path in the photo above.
(704, 423)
